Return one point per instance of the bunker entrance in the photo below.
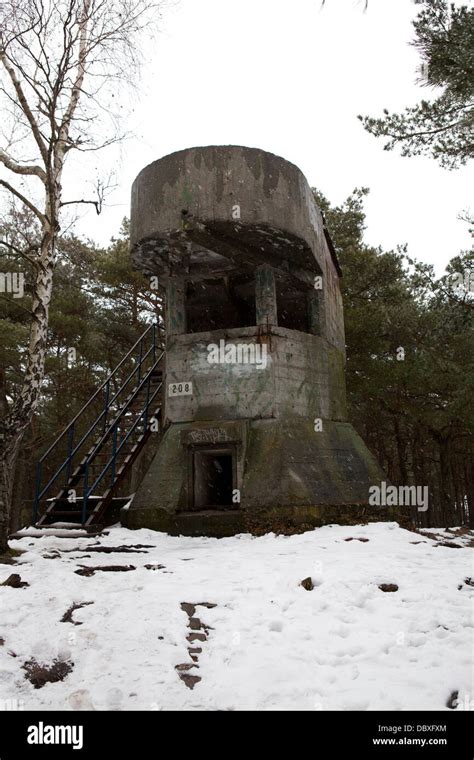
(213, 478)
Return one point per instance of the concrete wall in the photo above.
(303, 377)
(280, 464)
(182, 229)
(208, 182)
(278, 220)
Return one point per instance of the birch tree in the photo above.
(61, 62)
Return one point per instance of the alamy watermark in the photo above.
(12, 282)
(386, 495)
(464, 279)
(237, 353)
(12, 704)
(48, 734)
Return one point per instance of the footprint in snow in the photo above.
(80, 700)
(342, 631)
(276, 625)
(114, 699)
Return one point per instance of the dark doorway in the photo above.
(213, 479)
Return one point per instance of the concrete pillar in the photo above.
(265, 296)
(175, 307)
(315, 306)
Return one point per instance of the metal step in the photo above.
(124, 417)
(69, 513)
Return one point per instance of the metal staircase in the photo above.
(98, 447)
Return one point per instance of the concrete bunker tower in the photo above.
(255, 421)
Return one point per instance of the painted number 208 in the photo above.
(180, 389)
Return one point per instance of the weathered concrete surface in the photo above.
(282, 422)
(206, 183)
(185, 203)
(304, 467)
(303, 377)
(272, 518)
(281, 463)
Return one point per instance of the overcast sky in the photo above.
(290, 77)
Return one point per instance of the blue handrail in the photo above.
(110, 431)
(111, 463)
(112, 401)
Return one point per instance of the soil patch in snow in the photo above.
(88, 571)
(267, 644)
(200, 631)
(39, 674)
(14, 581)
(67, 617)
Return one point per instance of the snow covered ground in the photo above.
(267, 644)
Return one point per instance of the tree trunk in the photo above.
(9, 450)
(17, 420)
(445, 482)
(401, 451)
(23, 483)
(469, 480)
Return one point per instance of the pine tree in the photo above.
(442, 127)
(417, 414)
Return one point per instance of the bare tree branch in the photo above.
(96, 204)
(13, 302)
(21, 253)
(24, 105)
(17, 168)
(24, 200)
(48, 51)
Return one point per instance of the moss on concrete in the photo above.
(287, 472)
(284, 520)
